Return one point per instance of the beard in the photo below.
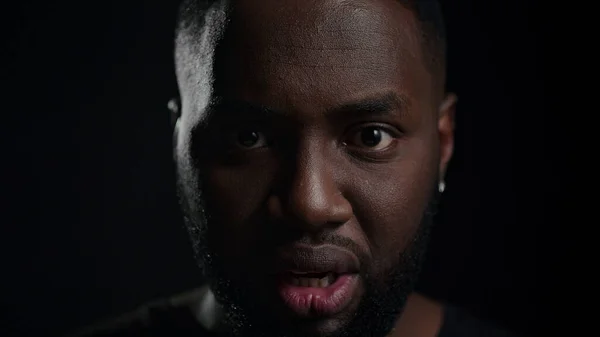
(381, 305)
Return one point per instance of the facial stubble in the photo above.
(381, 305)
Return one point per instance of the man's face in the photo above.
(307, 182)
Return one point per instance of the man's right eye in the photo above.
(250, 139)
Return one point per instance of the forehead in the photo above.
(305, 55)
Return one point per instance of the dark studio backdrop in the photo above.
(93, 228)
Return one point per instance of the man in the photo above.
(311, 143)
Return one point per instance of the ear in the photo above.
(175, 108)
(446, 131)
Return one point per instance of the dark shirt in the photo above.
(169, 318)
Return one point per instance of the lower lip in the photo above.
(308, 301)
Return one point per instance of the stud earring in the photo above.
(442, 186)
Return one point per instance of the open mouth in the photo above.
(320, 294)
(316, 281)
(311, 280)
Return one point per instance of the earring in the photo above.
(442, 186)
(173, 106)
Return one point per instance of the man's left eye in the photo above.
(372, 137)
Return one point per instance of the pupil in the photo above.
(248, 138)
(371, 136)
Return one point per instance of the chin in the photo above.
(327, 327)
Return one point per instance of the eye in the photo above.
(249, 139)
(372, 137)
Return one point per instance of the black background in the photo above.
(93, 228)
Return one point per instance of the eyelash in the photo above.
(392, 131)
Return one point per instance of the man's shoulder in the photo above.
(458, 322)
(163, 317)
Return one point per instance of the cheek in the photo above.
(235, 195)
(390, 202)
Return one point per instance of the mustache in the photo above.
(332, 239)
(328, 238)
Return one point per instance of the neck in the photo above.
(207, 310)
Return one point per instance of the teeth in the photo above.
(312, 282)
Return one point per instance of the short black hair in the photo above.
(191, 19)
(433, 32)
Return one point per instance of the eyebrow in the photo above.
(236, 108)
(389, 103)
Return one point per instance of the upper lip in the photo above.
(316, 259)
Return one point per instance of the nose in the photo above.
(311, 199)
